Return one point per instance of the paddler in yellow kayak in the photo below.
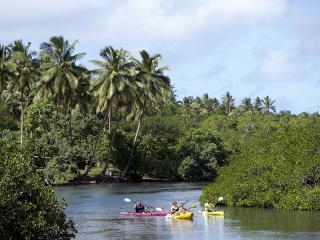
(174, 207)
(209, 207)
(176, 210)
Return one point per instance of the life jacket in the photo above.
(139, 208)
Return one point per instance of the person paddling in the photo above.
(174, 207)
(209, 207)
(139, 207)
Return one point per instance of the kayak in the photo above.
(215, 213)
(188, 215)
(144, 214)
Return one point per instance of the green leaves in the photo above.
(278, 169)
(61, 73)
(28, 208)
(201, 152)
(112, 85)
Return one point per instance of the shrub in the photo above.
(279, 169)
(202, 151)
(28, 208)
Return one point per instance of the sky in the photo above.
(247, 47)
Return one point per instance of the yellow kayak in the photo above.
(188, 215)
(215, 213)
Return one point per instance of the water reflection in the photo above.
(276, 220)
(213, 225)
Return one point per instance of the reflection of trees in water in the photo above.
(213, 226)
(275, 220)
(134, 228)
(179, 227)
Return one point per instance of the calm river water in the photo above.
(95, 210)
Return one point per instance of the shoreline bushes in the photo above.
(279, 169)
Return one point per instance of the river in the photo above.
(95, 210)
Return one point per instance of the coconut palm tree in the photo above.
(246, 105)
(82, 99)
(268, 105)
(187, 101)
(115, 90)
(25, 76)
(60, 72)
(257, 104)
(209, 104)
(228, 103)
(7, 67)
(155, 86)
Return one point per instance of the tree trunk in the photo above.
(109, 120)
(57, 108)
(126, 169)
(111, 142)
(70, 124)
(21, 123)
(94, 150)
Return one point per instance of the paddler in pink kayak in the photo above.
(139, 207)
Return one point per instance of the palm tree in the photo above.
(115, 89)
(25, 75)
(155, 85)
(82, 99)
(187, 101)
(268, 105)
(246, 105)
(10, 99)
(228, 103)
(209, 104)
(215, 103)
(257, 104)
(7, 67)
(61, 73)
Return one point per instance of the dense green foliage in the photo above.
(278, 166)
(65, 120)
(201, 152)
(28, 208)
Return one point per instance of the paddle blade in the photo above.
(158, 209)
(220, 199)
(127, 200)
(193, 206)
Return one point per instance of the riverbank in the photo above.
(104, 180)
(95, 177)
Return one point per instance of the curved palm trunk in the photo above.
(111, 142)
(94, 150)
(21, 123)
(70, 124)
(109, 121)
(126, 169)
(57, 108)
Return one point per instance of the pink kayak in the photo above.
(144, 214)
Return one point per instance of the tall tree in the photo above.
(25, 75)
(155, 85)
(82, 99)
(7, 67)
(209, 104)
(268, 105)
(246, 105)
(60, 76)
(115, 89)
(257, 104)
(228, 103)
